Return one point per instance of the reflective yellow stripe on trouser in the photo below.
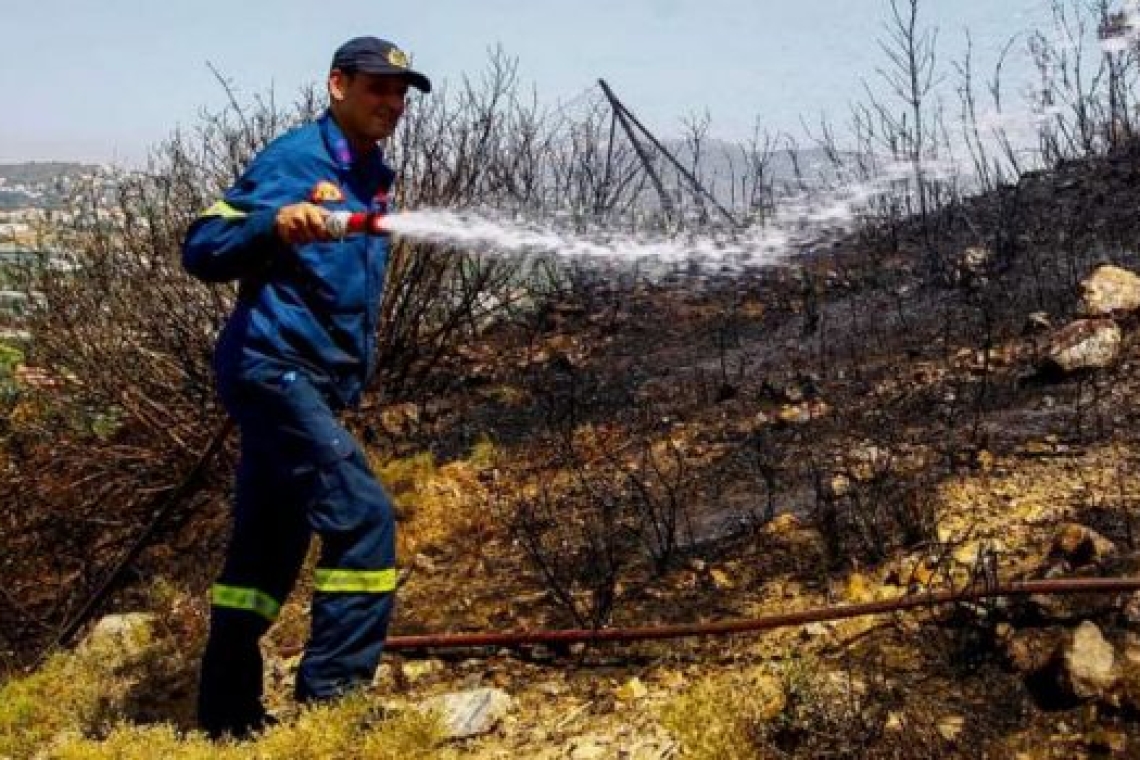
(224, 210)
(249, 599)
(354, 581)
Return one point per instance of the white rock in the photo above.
(1085, 344)
(121, 636)
(1089, 663)
(470, 713)
(1109, 290)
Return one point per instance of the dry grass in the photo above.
(349, 729)
(717, 718)
(437, 505)
(84, 705)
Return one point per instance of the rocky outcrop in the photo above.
(1079, 546)
(1110, 290)
(470, 713)
(1087, 344)
(1088, 664)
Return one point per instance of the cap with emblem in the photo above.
(372, 55)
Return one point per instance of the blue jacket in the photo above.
(311, 307)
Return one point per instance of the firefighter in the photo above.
(299, 347)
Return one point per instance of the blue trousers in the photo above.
(300, 472)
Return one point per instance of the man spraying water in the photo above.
(298, 347)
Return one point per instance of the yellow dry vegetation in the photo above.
(437, 505)
(1022, 500)
(349, 729)
(719, 717)
(77, 707)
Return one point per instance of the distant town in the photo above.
(33, 198)
(35, 192)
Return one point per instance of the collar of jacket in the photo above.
(337, 145)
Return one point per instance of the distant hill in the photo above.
(40, 172)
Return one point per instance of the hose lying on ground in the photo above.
(768, 623)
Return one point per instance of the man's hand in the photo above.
(302, 223)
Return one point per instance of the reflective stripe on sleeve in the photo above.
(249, 599)
(354, 581)
(224, 210)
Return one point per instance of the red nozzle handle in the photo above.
(341, 223)
(369, 223)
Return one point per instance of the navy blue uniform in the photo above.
(298, 347)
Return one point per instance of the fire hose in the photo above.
(767, 623)
(340, 224)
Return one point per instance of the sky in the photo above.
(105, 80)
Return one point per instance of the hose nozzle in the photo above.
(341, 224)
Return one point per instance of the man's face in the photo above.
(367, 106)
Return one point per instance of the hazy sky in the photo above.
(103, 80)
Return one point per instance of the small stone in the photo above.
(121, 637)
(858, 589)
(470, 713)
(632, 690)
(415, 670)
(815, 630)
(970, 553)
(384, 673)
(1085, 344)
(950, 727)
(1080, 545)
(590, 748)
(794, 414)
(721, 580)
(551, 688)
(1037, 322)
(1108, 290)
(1089, 668)
(425, 564)
(783, 523)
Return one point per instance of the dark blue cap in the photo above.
(376, 56)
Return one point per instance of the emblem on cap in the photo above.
(326, 192)
(397, 58)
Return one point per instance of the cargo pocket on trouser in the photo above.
(318, 456)
(326, 481)
(353, 515)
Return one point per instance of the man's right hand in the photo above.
(301, 223)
